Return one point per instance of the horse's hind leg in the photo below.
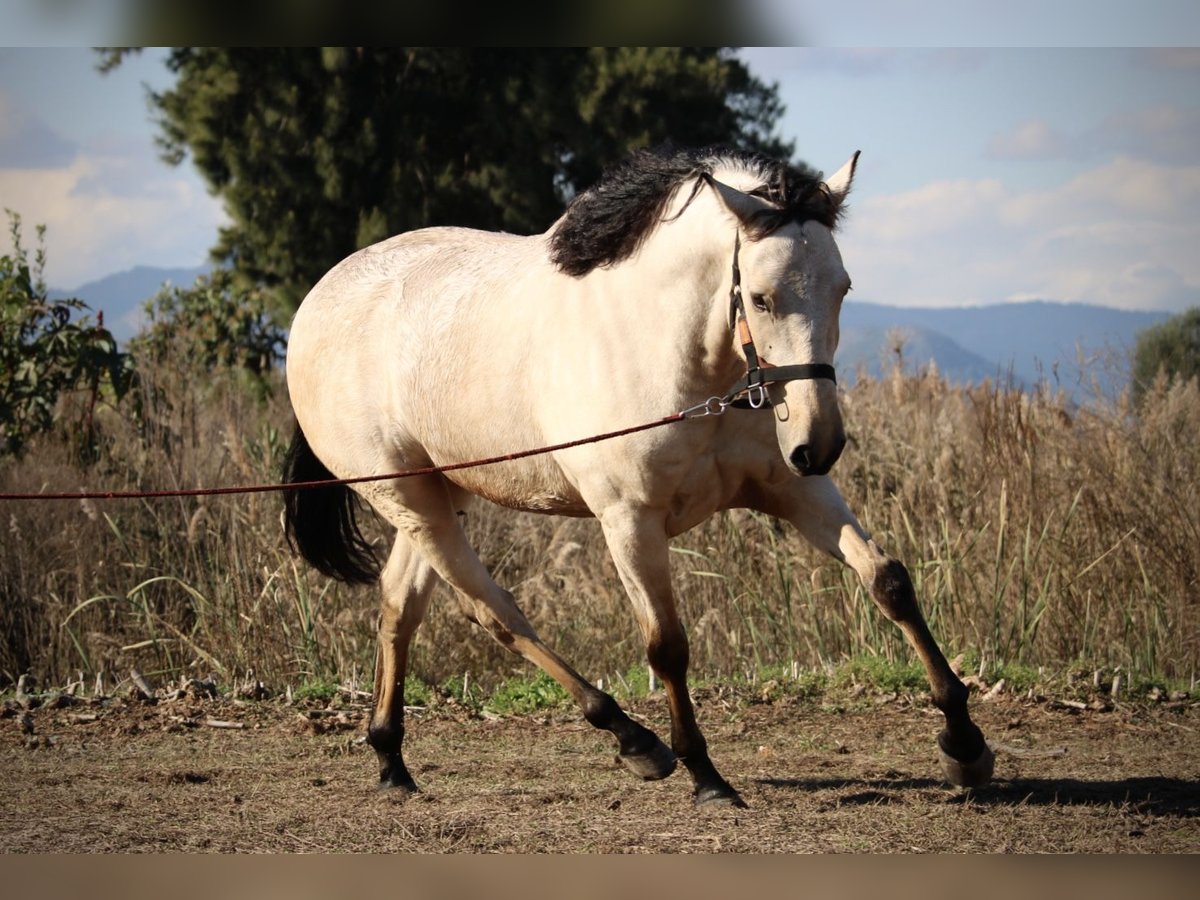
(638, 544)
(815, 506)
(423, 512)
(407, 581)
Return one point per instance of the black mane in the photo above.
(607, 223)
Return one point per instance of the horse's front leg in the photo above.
(816, 507)
(637, 540)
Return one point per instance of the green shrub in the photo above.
(50, 356)
(214, 324)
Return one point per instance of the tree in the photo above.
(318, 152)
(1171, 347)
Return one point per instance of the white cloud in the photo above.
(1032, 139)
(1123, 234)
(111, 209)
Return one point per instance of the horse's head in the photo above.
(792, 286)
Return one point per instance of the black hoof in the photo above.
(393, 774)
(399, 783)
(714, 795)
(968, 765)
(973, 773)
(650, 765)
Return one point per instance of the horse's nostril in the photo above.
(801, 460)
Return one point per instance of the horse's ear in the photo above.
(745, 206)
(838, 184)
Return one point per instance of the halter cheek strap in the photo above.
(760, 373)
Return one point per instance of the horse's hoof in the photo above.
(972, 774)
(715, 795)
(398, 785)
(650, 765)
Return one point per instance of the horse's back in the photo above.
(404, 289)
(368, 274)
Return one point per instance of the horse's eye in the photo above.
(760, 302)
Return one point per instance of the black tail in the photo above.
(320, 522)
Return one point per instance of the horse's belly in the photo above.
(519, 485)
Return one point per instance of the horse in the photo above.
(707, 279)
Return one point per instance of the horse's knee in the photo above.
(386, 735)
(892, 590)
(600, 710)
(668, 654)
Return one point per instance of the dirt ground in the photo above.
(124, 775)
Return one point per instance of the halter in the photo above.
(759, 372)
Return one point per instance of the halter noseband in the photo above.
(759, 372)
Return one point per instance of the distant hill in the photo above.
(1032, 340)
(122, 295)
(869, 349)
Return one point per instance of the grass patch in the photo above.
(460, 689)
(416, 691)
(526, 695)
(322, 689)
(881, 674)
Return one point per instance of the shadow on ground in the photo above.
(1159, 796)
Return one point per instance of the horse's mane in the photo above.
(607, 223)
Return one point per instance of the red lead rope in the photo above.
(701, 410)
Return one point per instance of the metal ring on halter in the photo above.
(713, 406)
(758, 390)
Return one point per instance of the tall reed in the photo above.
(1036, 531)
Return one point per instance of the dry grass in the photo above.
(1036, 532)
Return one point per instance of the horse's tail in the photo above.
(320, 522)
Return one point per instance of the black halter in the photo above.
(760, 373)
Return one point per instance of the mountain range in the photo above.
(1068, 344)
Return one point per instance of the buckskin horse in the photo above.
(704, 280)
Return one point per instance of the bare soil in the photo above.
(124, 775)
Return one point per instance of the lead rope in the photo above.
(712, 406)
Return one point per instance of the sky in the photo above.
(994, 175)
(987, 175)
(77, 155)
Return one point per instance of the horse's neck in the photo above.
(686, 270)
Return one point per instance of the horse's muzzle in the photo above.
(808, 459)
